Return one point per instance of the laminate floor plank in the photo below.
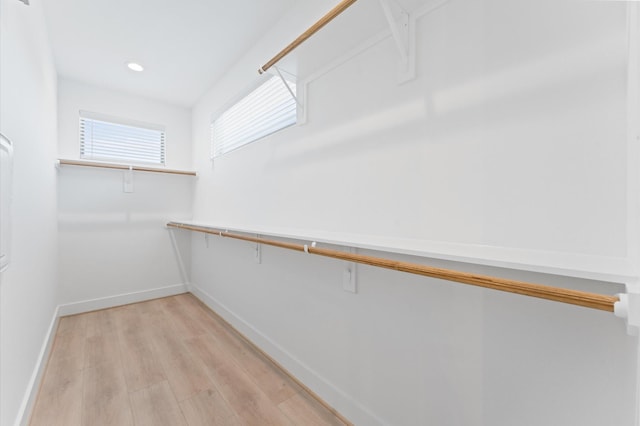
(185, 325)
(156, 406)
(142, 366)
(169, 361)
(101, 322)
(105, 399)
(70, 342)
(149, 307)
(59, 401)
(101, 349)
(129, 324)
(250, 404)
(186, 375)
(274, 383)
(208, 408)
(214, 325)
(72, 324)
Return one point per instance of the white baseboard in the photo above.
(119, 300)
(331, 394)
(31, 393)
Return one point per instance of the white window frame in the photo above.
(118, 121)
(260, 82)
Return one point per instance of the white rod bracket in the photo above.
(127, 180)
(286, 84)
(399, 28)
(258, 251)
(350, 275)
(403, 32)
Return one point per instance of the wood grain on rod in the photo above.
(574, 297)
(341, 7)
(125, 167)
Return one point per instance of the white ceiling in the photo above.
(184, 45)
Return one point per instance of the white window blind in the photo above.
(116, 140)
(266, 110)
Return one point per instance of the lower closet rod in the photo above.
(573, 297)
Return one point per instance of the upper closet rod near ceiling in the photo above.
(124, 167)
(341, 7)
(574, 297)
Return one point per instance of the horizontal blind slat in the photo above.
(100, 139)
(266, 110)
(265, 125)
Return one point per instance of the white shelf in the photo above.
(601, 268)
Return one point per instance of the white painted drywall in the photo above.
(113, 243)
(512, 139)
(28, 291)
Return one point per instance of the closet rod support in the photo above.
(399, 29)
(286, 84)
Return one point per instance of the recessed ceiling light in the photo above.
(135, 67)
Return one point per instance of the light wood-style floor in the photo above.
(168, 361)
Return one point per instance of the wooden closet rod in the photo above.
(341, 7)
(573, 297)
(124, 167)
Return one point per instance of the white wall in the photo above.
(113, 243)
(510, 145)
(28, 290)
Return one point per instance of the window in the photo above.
(266, 110)
(105, 138)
